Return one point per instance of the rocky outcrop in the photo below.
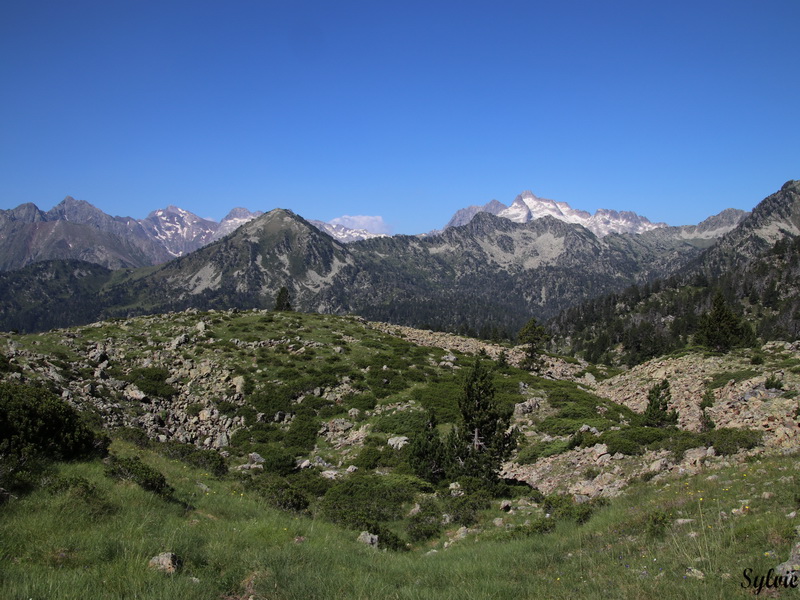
(743, 401)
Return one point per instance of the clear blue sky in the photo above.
(403, 109)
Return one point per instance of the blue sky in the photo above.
(405, 110)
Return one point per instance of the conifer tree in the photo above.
(534, 336)
(657, 414)
(282, 300)
(720, 329)
(427, 455)
(480, 444)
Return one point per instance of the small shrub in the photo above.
(310, 482)
(364, 402)
(194, 409)
(406, 422)
(277, 459)
(364, 499)
(729, 441)
(145, 476)
(591, 473)
(565, 508)
(656, 523)
(133, 435)
(302, 433)
(35, 426)
(209, 460)
(152, 381)
(229, 409)
(464, 509)
(279, 492)
(538, 526)
(426, 523)
(539, 450)
(773, 383)
(368, 458)
(81, 493)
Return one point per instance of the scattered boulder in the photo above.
(397, 442)
(370, 539)
(168, 562)
(793, 564)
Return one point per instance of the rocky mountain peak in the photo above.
(465, 215)
(26, 213)
(528, 207)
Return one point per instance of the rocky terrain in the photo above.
(215, 361)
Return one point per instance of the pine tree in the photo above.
(427, 455)
(478, 447)
(720, 329)
(534, 336)
(657, 414)
(282, 300)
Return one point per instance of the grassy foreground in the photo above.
(96, 541)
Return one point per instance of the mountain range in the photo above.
(487, 276)
(528, 207)
(78, 230)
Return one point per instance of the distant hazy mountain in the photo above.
(345, 234)
(75, 229)
(464, 215)
(528, 207)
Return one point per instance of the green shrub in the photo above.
(133, 435)
(209, 460)
(535, 527)
(193, 409)
(364, 402)
(773, 383)
(277, 459)
(440, 398)
(362, 500)
(426, 522)
(729, 441)
(721, 379)
(302, 433)
(590, 473)
(464, 509)
(310, 482)
(81, 493)
(407, 422)
(564, 507)
(368, 458)
(279, 492)
(145, 476)
(556, 425)
(152, 381)
(656, 523)
(36, 425)
(632, 440)
(229, 409)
